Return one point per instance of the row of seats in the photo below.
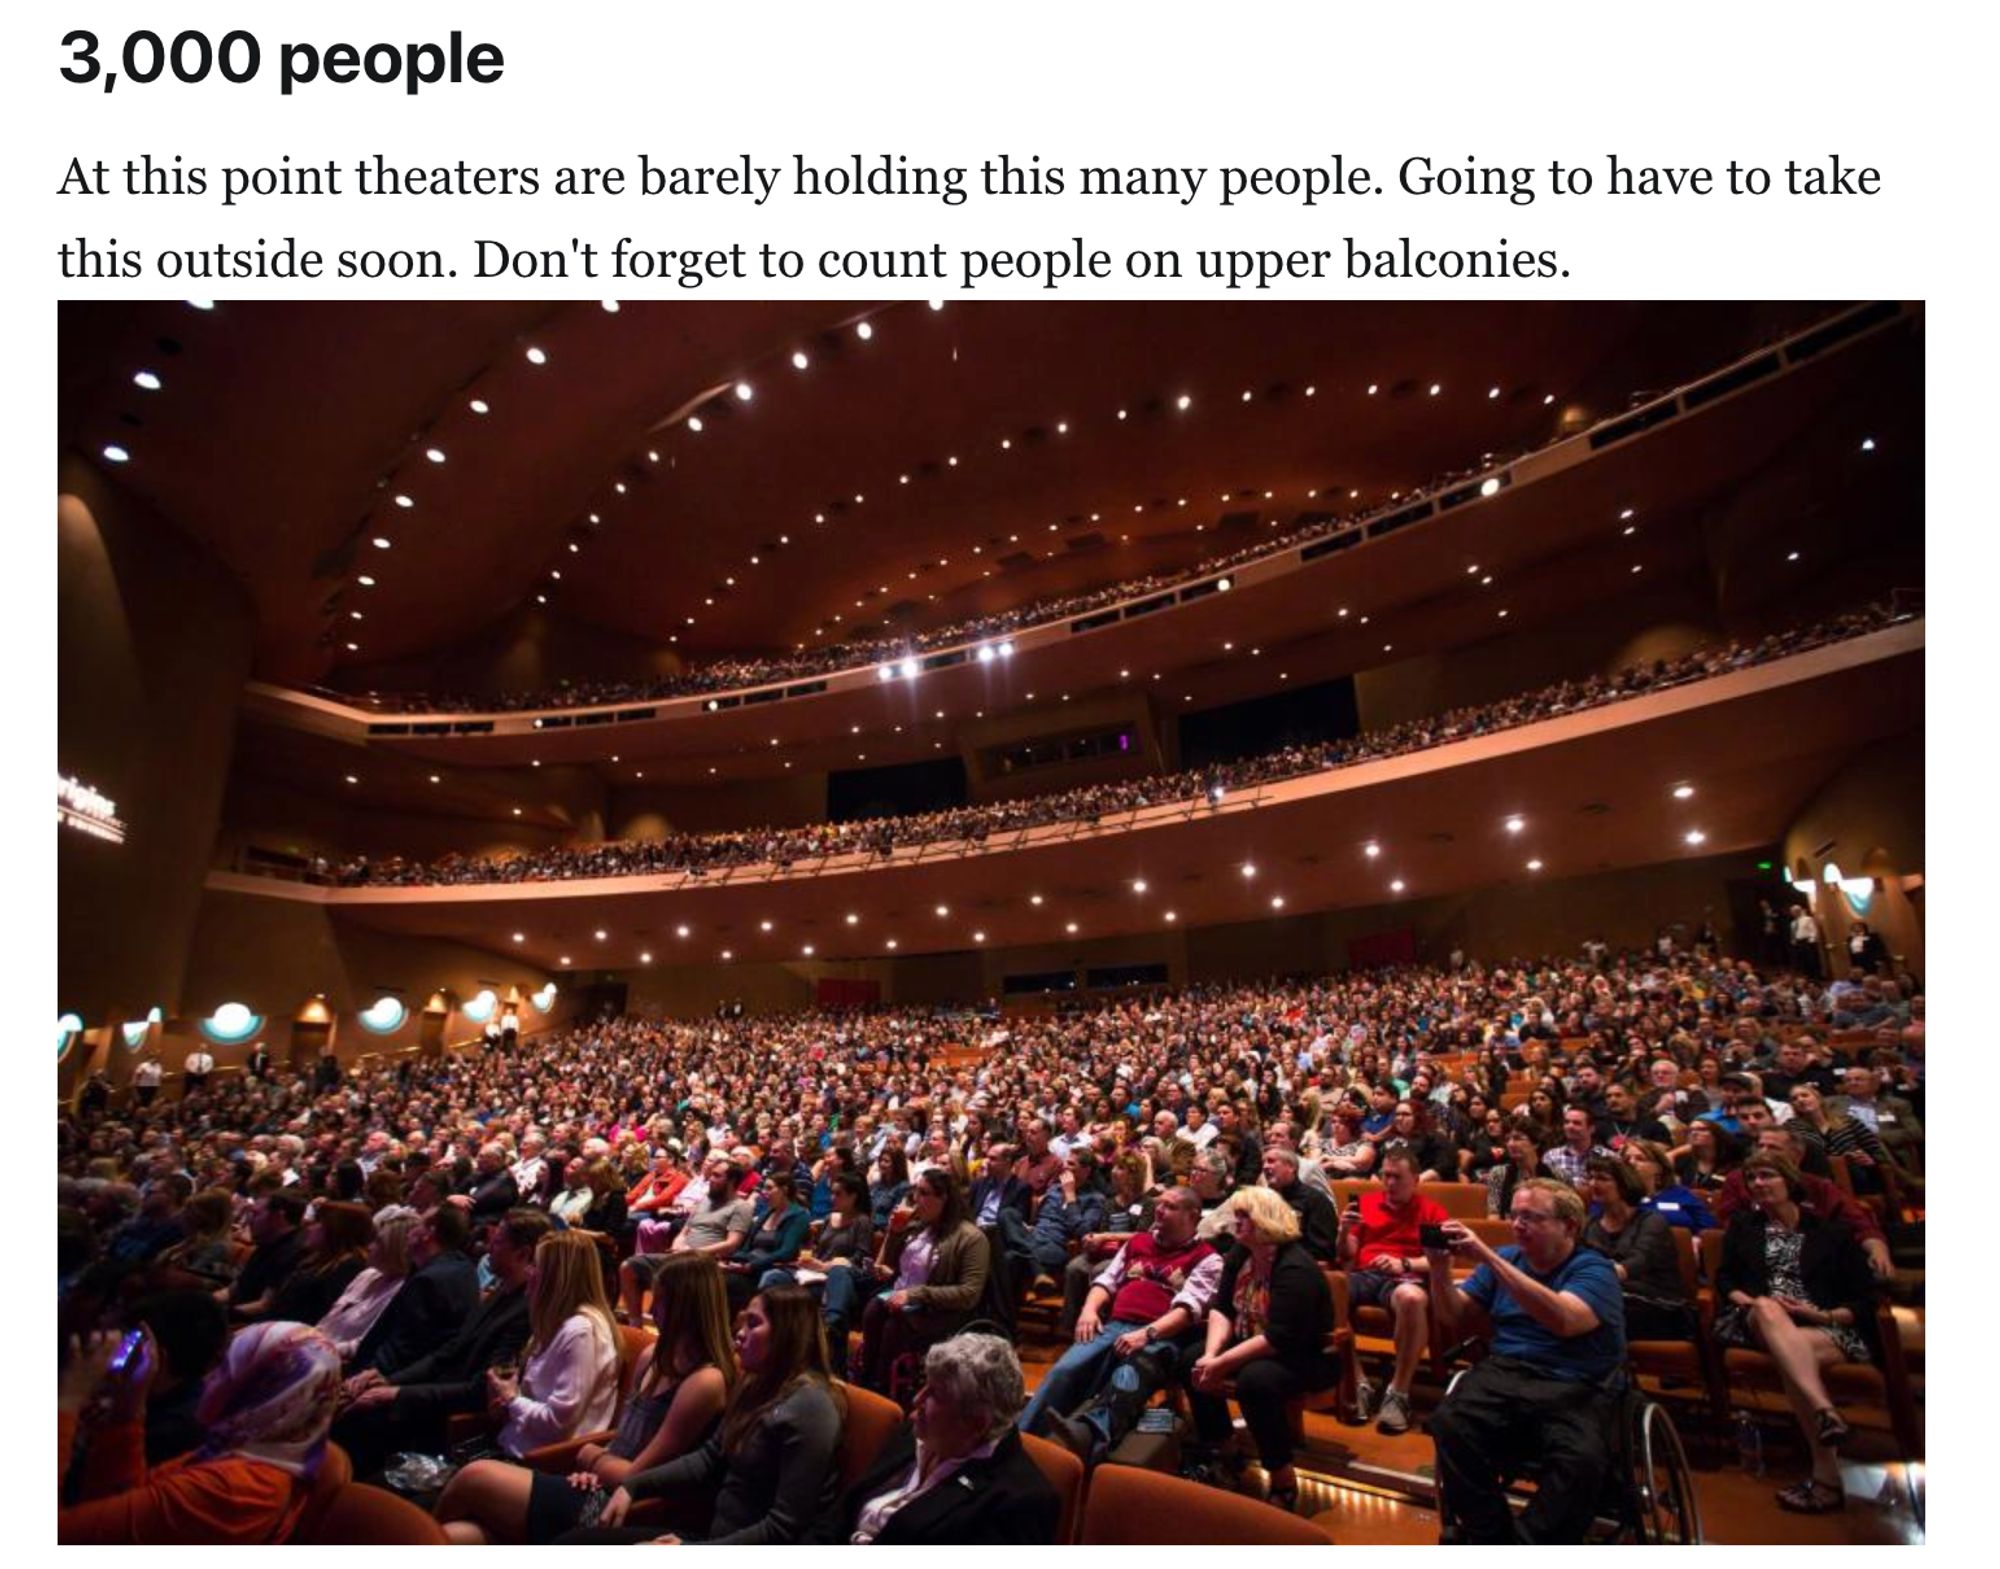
(1119, 1506)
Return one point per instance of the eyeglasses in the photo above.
(1528, 1217)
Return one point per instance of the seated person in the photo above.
(719, 1223)
(264, 1413)
(1410, 1126)
(1623, 1121)
(961, 1431)
(1071, 1210)
(1267, 1332)
(1382, 1247)
(1526, 1142)
(1796, 1284)
(678, 1387)
(1640, 1244)
(1681, 1206)
(1865, 1155)
(1129, 1211)
(275, 1229)
(772, 1465)
(1551, 1385)
(190, 1331)
(1823, 1196)
(206, 1253)
(1711, 1154)
(408, 1407)
(1155, 1291)
(1319, 1225)
(1345, 1150)
(1565, 1159)
(567, 1381)
(373, 1288)
(774, 1244)
(335, 1251)
(930, 1276)
(438, 1297)
(1891, 1118)
(842, 1254)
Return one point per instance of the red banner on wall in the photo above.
(833, 992)
(1380, 948)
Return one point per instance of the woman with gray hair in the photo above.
(955, 1474)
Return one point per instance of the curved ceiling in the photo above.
(280, 434)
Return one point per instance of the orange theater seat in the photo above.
(364, 1516)
(871, 1418)
(1063, 1472)
(1128, 1507)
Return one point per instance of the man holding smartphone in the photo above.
(1550, 1386)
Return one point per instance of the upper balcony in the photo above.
(1324, 597)
(1583, 792)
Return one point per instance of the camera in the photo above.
(1433, 1237)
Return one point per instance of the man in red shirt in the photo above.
(1382, 1246)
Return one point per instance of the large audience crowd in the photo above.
(697, 853)
(432, 1256)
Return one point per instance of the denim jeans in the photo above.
(1078, 1373)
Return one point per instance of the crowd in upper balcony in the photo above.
(698, 853)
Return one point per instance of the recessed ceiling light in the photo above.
(1793, 556)
(943, 910)
(480, 406)
(745, 392)
(517, 811)
(1170, 917)
(1695, 836)
(1396, 886)
(1868, 444)
(610, 305)
(1371, 849)
(202, 305)
(600, 936)
(1138, 885)
(853, 919)
(1436, 388)
(435, 779)
(113, 453)
(435, 454)
(1371, 388)
(536, 356)
(645, 958)
(1683, 792)
(520, 937)
(937, 305)
(365, 580)
(1492, 392)
(403, 501)
(763, 926)
(1534, 866)
(890, 943)
(564, 959)
(351, 779)
(979, 937)
(807, 950)
(1490, 486)
(694, 423)
(1249, 869)
(1516, 824)
(863, 331)
(799, 360)
(1035, 899)
(1070, 927)
(1625, 515)
(146, 379)
(681, 930)
(354, 648)
(727, 955)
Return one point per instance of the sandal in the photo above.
(1813, 1497)
(1834, 1431)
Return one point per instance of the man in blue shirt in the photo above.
(1550, 1386)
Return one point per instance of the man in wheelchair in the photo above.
(1549, 1392)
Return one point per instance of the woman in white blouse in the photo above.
(568, 1383)
(371, 1291)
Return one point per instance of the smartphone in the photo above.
(126, 1347)
(1432, 1236)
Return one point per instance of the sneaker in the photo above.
(1364, 1400)
(1394, 1417)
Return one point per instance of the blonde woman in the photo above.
(1267, 1333)
(369, 1293)
(568, 1382)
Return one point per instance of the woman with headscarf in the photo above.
(266, 1411)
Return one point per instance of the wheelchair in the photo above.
(1648, 1497)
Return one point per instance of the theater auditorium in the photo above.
(1114, 924)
